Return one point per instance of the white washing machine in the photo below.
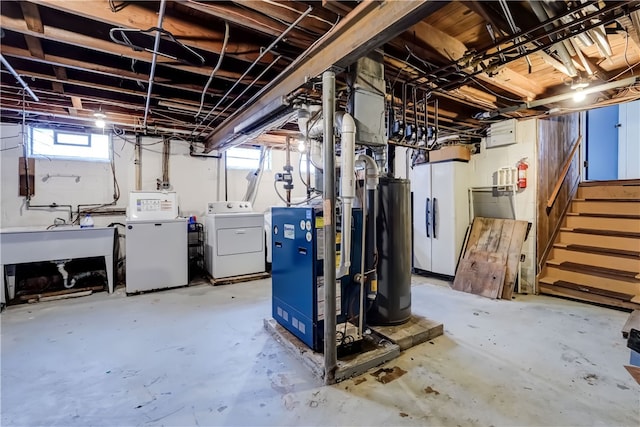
(234, 239)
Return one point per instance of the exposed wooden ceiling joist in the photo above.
(90, 67)
(32, 16)
(250, 19)
(77, 102)
(34, 45)
(108, 47)
(136, 16)
(451, 49)
(368, 26)
(319, 21)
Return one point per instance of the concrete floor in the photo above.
(200, 356)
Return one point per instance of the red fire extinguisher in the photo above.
(522, 166)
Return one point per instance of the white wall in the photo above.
(629, 140)
(482, 168)
(237, 182)
(489, 160)
(196, 180)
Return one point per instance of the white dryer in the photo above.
(234, 239)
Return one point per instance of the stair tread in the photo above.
(586, 296)
(596, 271)
(603, 199)
(615, 182)
(599, 232)
(598, 250)
(593, 290)
(604, 215)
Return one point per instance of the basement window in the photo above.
(69, 145)
(246, 159)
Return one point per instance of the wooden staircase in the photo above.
(596, 254)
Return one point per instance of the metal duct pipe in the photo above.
(329, 201)
(154, 59)
(542, 16)
(18, 78)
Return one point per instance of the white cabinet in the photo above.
(440, 215)
(157, 255)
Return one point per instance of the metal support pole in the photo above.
(287, 167)
(329, 202)
(154, 59)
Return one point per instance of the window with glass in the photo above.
(73, 145)
(246, 158)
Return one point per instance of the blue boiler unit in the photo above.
(297, 274)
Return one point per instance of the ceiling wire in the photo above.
(297, 11)
(629, 66)
(495, 93)
(216, 68)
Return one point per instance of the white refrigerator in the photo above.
(440, 215)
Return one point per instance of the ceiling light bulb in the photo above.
(100, 116)
(301, 146)
(579, 95)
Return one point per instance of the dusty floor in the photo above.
(200, 356)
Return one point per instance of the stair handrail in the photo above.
(563, 174)
(552, 200)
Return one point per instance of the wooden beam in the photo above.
(57, 87)
(72, 111)
(336, 7)
(108, 47)
(500, 25)
(60, 72)
(32, 16)
(368, 26)
(77, 102)
(141, 93)
(101, 97)
(136, 16)
(251, 20)
(450, 49)
(90, 67)
(634, 31)
(319, 21)
(34, 45)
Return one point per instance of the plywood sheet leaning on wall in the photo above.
(479, 277)
(494, 241)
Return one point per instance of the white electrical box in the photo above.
(152, 205)
(502, 133)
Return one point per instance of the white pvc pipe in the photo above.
(347, 171)
(347, 189)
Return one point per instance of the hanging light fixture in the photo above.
(578, 85)
(100, 116)
(301, 146)
(579, 95)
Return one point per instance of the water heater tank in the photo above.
(393, 302)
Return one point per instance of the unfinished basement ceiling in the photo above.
(479, 60)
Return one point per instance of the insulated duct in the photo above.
(562, 51)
